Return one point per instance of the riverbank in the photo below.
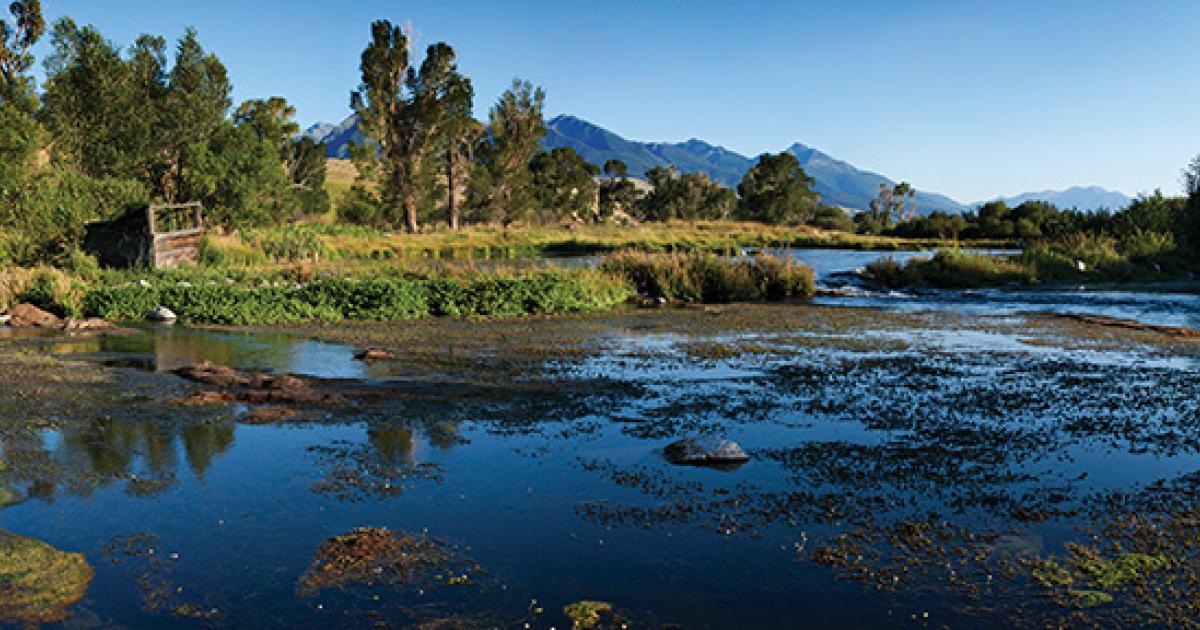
(381, 292)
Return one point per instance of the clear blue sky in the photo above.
(969, 98)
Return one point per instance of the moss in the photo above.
(586, 613)
(1089, 598)
(38, 583)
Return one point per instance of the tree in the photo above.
(20, 134)
(504, 191)
(303, 159)
(1191, 221)
(460, 132)
(891, 205)
(615, 169)
(690, 196)
(403, 111)
(777, 190)
(564, 185)
(16, 40)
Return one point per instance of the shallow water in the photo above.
(991, 424)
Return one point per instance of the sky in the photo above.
(968, 98)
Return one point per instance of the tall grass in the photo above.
(708, 278)
(949, 269)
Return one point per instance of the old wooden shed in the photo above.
(161, 235)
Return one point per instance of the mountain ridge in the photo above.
(838, 182)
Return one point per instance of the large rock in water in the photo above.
(705, 450)
(28, 315)
(161, 314)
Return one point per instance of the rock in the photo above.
(161, 314)
(90, 323)
(268, 415)
(705, 450)
(213, 374)
(28, 315)
(375, 354)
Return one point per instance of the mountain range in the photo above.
(839, 183)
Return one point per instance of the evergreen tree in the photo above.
(777, 190)
(16, 40)
(515, 131)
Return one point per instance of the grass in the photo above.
(340, 242)
(702, 277)
(949, 269)
(1145, 257)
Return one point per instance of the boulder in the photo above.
(90, 323)
(28, 315)
(705, 450)
(161, 314)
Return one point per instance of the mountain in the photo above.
(839, 183)
(337, 138)
(1088, 198)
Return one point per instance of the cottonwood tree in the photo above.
(403, 111)
(16, 40)
(503, 189)
(20, 133)
(777, 190)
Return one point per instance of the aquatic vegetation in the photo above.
(708, 278)
(586, 614)
(380, 299)
(38, 583)
(950, 269)
(371, 556)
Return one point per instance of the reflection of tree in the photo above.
(98, 453)
(393, 445)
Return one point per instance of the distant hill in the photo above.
(839, 183)
(1088, 198)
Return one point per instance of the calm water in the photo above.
(1006, 438)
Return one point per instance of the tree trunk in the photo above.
(410, 212)
(451, 189)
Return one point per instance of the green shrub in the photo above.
(377, 299)
(950, 269)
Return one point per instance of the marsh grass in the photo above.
(342, 242)
(702, 277)
(949, 269)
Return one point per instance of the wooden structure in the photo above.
(162, 236)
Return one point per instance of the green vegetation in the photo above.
(1089, 579)
(709, 278)
(949, 269)
(38, 583)
(586, 614)
(261, 300)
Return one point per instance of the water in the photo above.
(880, 423)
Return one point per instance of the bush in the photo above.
(709, 278)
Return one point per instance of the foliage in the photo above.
(710, 278)
(502, 189)
(46, 215)
(690, 196)
(949, 269)
(564, 185)
(16, 41)
(405, 113)
(777, 190)
(379, 299)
